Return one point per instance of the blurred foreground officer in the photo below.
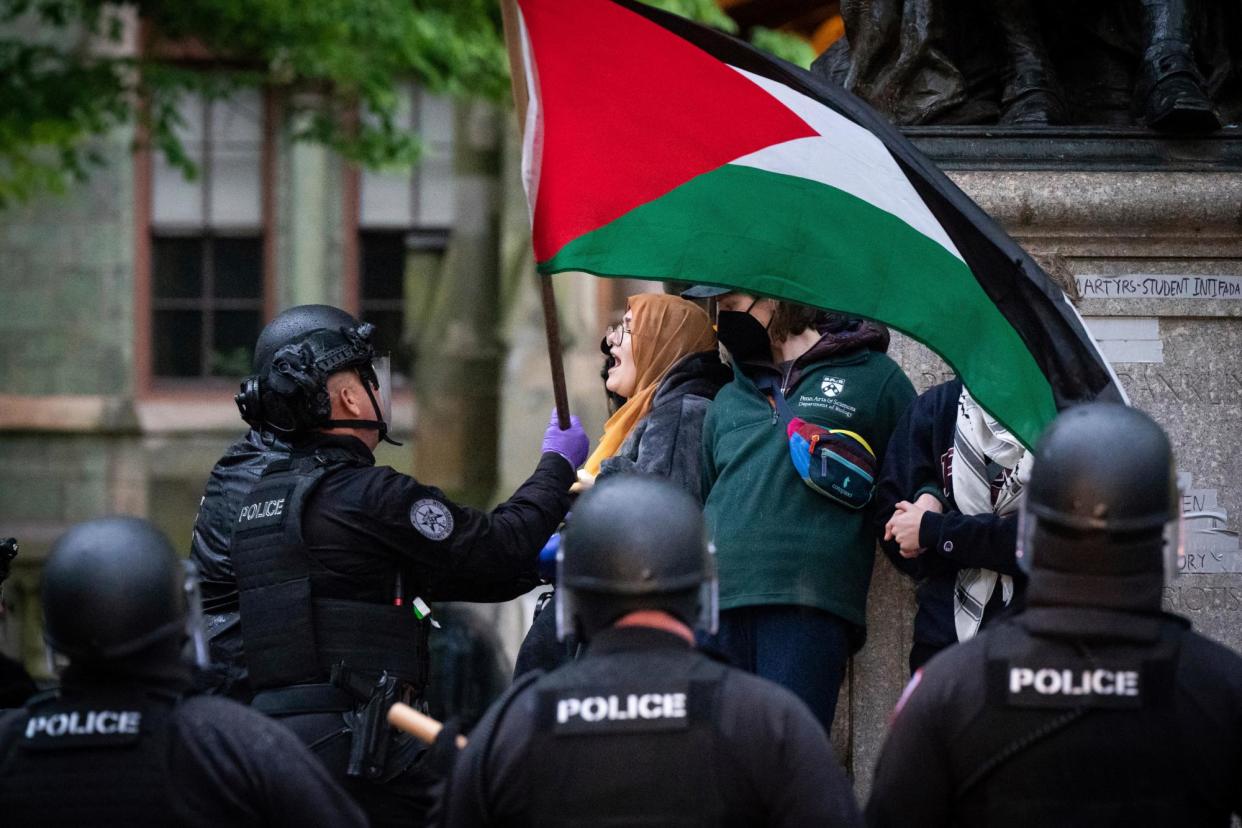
(1092, 707)
(120, 743)
(644, 730)
(334, 558)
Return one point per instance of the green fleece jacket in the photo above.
(777, 540)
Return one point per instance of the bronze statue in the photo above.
(1022, 63)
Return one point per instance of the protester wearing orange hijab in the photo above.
(665, 363)
(658, 332)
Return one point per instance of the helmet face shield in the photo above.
(382, 366)
(195, 629)
(1174, 548)
(562, 613)
(1026, 528)
(709, 595)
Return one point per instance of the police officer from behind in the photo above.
(1092, 707)
(335, 558)
(642, 729)
(121, 743)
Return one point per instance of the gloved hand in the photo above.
(442, 755)
(546, 566)
(572, 443)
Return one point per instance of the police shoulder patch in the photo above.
(431, 518)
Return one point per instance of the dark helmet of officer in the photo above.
(116, 595)
(293, 358)
(1102, 515)
(632, 543)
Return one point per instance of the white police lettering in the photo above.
(618, 709)
(270, 508)
(1051, 682)
(85, 723)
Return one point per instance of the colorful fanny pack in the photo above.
(837, 463)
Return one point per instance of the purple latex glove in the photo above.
(572, 443)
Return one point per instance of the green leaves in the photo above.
(69, 71)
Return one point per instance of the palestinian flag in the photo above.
(655, 148)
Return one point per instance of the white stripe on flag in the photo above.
(532, 130)
(846, 157)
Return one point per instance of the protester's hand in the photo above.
(929, 503)
(585, 481)
(572, 443)
(903, 527)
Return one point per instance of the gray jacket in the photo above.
(668, 441)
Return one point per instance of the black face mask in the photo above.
(744, 336)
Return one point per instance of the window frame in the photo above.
(146, 383)
(416, 236)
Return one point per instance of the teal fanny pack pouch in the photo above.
(838, 464)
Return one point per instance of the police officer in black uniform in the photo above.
(232, 478)
(121, 743)
(1092, 707)
(642, 729)
(335, 559)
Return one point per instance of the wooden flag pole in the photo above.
(419, 725)
(517, 75)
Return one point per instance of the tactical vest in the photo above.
(100, 760)
(232, 478)
(1077, 727)
(635, 751)
(290, 635)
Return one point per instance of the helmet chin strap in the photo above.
(377, 424)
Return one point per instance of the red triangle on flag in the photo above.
(630, 111)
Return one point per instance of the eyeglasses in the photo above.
(615, 334)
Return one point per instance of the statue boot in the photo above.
(1033, 99)
(1171, 91)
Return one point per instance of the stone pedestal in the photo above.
(1150, 250)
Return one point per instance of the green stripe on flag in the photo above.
(797, 239)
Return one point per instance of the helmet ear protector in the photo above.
(250, 402)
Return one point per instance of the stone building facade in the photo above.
(120, 329)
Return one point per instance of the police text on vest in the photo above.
(618, 709)
(1052, 682)
(85, 723)
(270, 508)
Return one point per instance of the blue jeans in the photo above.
(802, 649)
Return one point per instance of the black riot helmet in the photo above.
(296, 353)
(115, 592)
(1102, 516)
(633, 543)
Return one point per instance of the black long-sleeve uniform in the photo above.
(918, 460)
(359, 525)
(363, 523)
(643, 727)
(1068, 716)
(361, 530)
(137, 753)
(365, 542)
